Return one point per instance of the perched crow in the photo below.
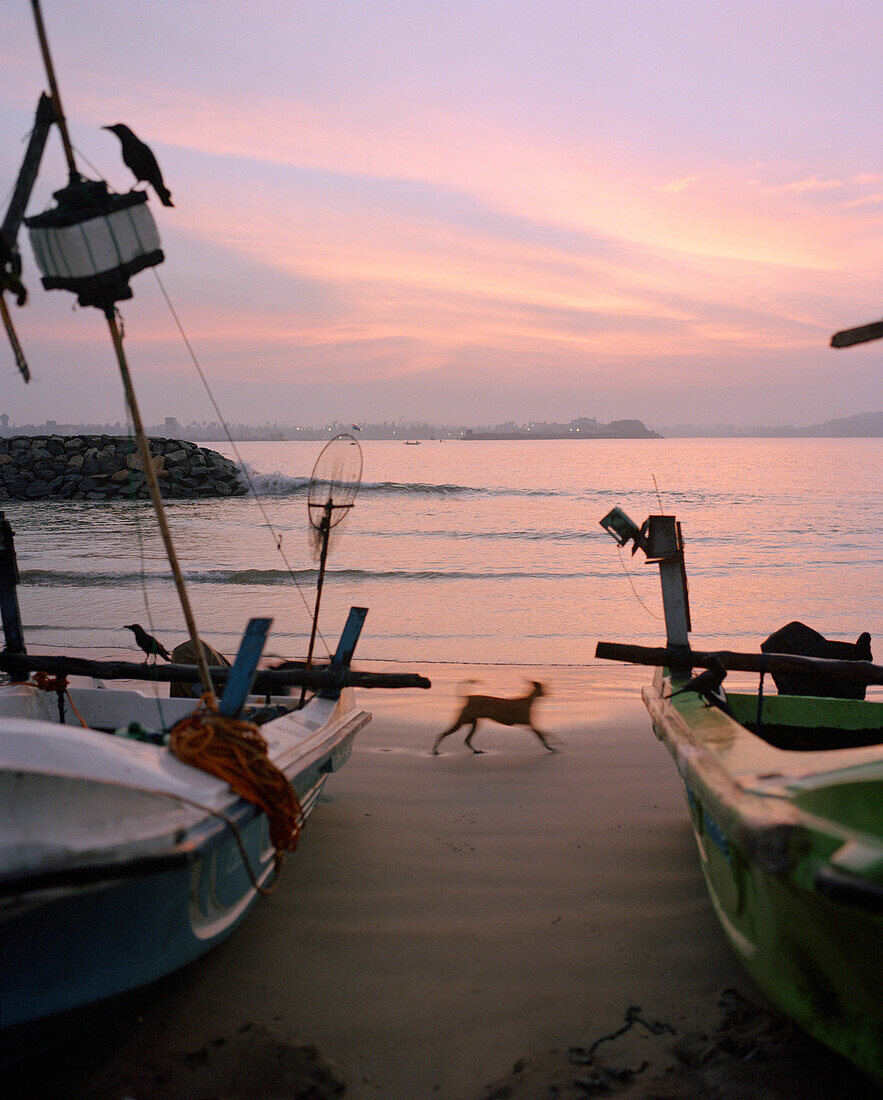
(148, 643)
(707, 685)
(139, 157)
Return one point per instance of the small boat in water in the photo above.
(785, 796)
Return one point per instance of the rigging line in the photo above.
(143, 576)
(277, 538)
(658, 497)
(652, 614)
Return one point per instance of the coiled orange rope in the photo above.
(235, 751)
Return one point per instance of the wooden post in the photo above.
(665, 545)
(24, 185)
(156, 498)
(9, 609)
(324, 533)
(53, 87)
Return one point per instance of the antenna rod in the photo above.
(156, 498)
(53, 87)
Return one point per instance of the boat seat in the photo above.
(801, 640)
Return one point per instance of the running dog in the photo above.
(508, 712)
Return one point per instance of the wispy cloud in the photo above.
(677, 187)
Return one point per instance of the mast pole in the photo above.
(325, 532)
(156, 498)
(53, 87)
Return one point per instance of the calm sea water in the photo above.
(485, 552)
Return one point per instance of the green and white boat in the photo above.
(785, 794)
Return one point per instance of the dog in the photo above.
(508, 712)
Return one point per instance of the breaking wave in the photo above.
(283, 485)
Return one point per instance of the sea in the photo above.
(475, 552)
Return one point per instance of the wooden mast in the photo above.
(156, 498)
(116, 336)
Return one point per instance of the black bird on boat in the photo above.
(151, 646)
(140, 159)
(707, 685)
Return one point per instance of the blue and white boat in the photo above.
(119, 862)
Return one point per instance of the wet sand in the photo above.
(470, 926)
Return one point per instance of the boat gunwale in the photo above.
(190, 842)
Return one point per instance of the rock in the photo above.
(37, 467)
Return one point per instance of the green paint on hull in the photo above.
(791, 846)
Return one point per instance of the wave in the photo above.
(528, 535)
(265, 577)
(278, 484)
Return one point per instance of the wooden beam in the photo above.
(267, 680)
(861, 335)
(861, 671)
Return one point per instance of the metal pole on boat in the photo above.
(156, 498)
(324, 533)
(53, 87)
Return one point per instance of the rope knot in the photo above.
(47, 682)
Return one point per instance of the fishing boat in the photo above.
(785, 798)
(138, 829)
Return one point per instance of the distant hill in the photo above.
(862, 425)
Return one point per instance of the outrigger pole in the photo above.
(116, 336)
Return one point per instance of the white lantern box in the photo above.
(94, 241)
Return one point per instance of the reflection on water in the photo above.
(482, 552)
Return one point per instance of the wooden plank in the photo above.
(346, 647)
(863, 334)
(861, 671)
(268, 680)
(244, 667)
(9, 610)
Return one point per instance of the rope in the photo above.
(628, 576)
(276, 536)
(235, 751)
(45, 681)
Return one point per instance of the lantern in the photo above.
(94, 241)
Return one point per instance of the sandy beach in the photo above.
(468, 926)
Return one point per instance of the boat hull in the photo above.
(99, 924)
(769, 858)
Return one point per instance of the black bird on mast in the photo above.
(151, 646)
(140, 159)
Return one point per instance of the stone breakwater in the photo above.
(107, 467)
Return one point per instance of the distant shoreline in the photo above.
(861, 426)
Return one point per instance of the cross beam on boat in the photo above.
(667, 657)
(317, 678)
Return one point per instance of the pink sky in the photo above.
(472, 212)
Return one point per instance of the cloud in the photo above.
(676, 187)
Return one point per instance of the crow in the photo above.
(140, 159)
(707, 685)
(148, 643)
